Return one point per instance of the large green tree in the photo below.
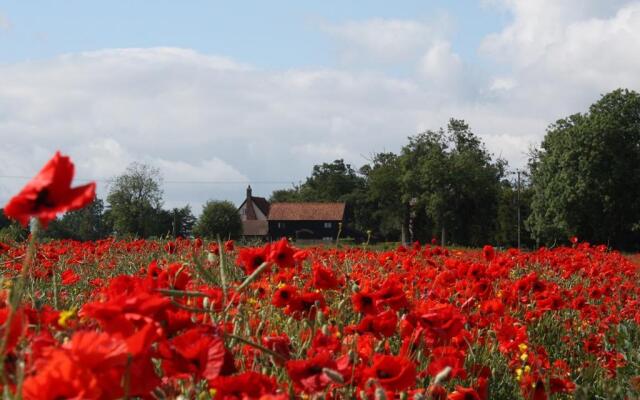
(218, 218)
(135, 200)
(331, 182)
(586, 175)
(450, 180)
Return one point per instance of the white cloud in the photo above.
(196, 117)
(209, 118)
(563, 54)
(387, 40)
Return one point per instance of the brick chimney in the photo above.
(250, 213)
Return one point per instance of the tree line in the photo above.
(583, 180)
(134, 209)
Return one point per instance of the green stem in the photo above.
(256, 345)
(15, 297)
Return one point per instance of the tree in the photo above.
(182, 221)
(84, 224)
(452, 178)
(135, 199)
(286, 195)
(507, 213)
(331, 182)
(586, 175)
(385, 195)
(219, 218)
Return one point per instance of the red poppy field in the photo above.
(149, 319)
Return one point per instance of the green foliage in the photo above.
(441, 180)
(11, 231)
(385, 195)
(331, 182)
(84, 224)
(4, 221)
(177, 222)
(506, 233)
(218, 218)
(135, 200)
(286, 195)
(451, 176)
(586, 175)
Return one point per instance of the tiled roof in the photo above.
(262, 204)
(306, 212)
(255, 228)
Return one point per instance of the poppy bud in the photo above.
(380, 394)
(334, 375)
(442, 375)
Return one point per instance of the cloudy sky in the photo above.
(216, 94)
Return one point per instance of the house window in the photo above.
(328, 225)
(280, 224)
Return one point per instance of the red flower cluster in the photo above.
(323, 322)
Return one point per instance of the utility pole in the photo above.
(518, 204)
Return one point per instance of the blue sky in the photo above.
(273, 34)
(261, 91)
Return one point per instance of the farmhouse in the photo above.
(253, 213)
(301, 221)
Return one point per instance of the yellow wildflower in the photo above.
(66, 315)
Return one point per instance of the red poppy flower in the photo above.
(280, 344)
(197, 352)
(247, 385)
(251, 258)
(463, 393)
(62, 378)
(392, 295)
(383, 324)
(50, 193)
(282, 254)
(284, 296)
(392, 372)
(170, 247)
(324, 278)
(447, 356)
(488, 252)
(365, 302)
(69, 277)
(308, 374)
(229, 246)
(4, 248)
